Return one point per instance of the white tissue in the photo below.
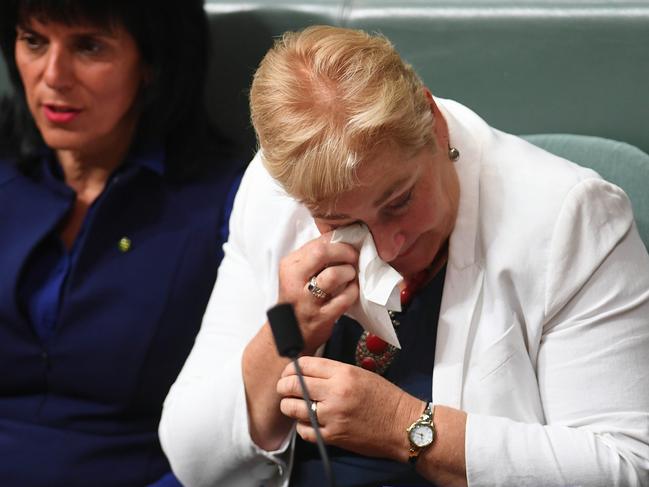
(378, 281)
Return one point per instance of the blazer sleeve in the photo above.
(593, 360)
(204, 427)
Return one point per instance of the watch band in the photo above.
(425, 421)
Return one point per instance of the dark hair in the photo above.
(173, 39)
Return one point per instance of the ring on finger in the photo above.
(313, 288)
(314, 408)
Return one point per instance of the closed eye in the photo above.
(401, 203)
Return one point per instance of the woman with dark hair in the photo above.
(114, 197)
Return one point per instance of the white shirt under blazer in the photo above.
(543, 332)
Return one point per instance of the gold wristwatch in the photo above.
(421, 433)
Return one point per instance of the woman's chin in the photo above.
(61, 140)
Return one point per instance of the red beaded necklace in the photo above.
(372, 352)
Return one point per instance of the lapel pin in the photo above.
(124, 244)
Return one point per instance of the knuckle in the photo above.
(293, 409)
(352, 254)
(294, 384)
(319, 250)
(345, 387)
(353, 291)
(350, 271)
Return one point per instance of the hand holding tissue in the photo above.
(378, 283)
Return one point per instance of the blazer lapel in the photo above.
(462, 295)
(460, 307)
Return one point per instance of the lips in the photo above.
(60, 113)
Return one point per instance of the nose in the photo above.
(58, 68)
(388, 239)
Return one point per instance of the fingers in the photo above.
(289, 386)
(316, 370)
(338, 303)
(313, 367)
(317, 374)
(307, 433)
(293, 405)
(334, 279)
(296, 408)
(355, 408)
(322, 253)
(319, 280)
(315, 256)
(333, 267)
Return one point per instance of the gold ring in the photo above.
(313, 288)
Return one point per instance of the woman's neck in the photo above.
(87, 174)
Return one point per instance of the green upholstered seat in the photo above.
(618, 162)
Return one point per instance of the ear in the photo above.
(431, 101)
(439, 122)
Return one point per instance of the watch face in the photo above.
(421, 435)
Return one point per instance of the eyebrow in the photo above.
(387, 194)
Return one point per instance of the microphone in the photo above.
(289, 343)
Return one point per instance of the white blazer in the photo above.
(543, 333)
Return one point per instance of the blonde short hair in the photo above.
(325, 99)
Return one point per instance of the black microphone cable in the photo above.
(290, 343)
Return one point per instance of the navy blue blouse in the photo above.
(92, 338)
(411, 370)
(41, 286)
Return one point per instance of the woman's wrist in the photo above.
(408, 410)
(261, 368)
(444, 461)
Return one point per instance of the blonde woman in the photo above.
(525, 296)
